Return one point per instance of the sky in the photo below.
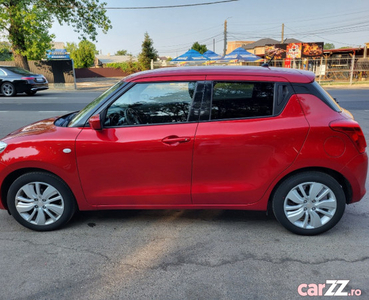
(174, 30)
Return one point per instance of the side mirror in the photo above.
(95, 122)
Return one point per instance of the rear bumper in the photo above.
(40, 88)
(21, 88)
(356, 173)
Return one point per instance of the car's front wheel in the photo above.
(8, 89)
(309, 203)
(40, 201)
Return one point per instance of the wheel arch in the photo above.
(7, 182)
(346, 186)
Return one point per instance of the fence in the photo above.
(344, 69)
(99, 72)
(337, 70)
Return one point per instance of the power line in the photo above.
(173, 6)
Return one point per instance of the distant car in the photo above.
(14, 80)
(250, 138)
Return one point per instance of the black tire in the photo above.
(41, 201)
(309, 203)
(8, 89)
(31, 93)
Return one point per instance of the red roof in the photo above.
(342, 50)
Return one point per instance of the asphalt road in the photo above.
(176, 254)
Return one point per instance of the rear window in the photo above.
(19, 71)
(326, 97)
(315, 89)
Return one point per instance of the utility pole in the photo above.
(225, 38)
(213, 45)
(282, 33)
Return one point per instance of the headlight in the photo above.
(2, 146)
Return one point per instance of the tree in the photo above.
(5, 54)
(123, 52)
(83, 55)
(328, 46)
(148, 53)
(200, 48)
(27, 23)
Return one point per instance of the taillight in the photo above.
(352, 130)
(28, 78)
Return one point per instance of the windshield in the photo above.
(90, 108)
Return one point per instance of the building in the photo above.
(106, 59)
(258, 47)
(235, 44)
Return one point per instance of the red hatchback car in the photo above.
(250, 138)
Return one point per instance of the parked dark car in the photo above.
(15, 80)
(249, 138)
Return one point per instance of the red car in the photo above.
(250, 138)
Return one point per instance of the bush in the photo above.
(128, 67)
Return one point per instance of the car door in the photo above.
(248, 136)
(143, 155)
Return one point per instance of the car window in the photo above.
(81, 117)
(2, 73)
(152, 103)
(19, 71)
(233, 100)
(327, 97)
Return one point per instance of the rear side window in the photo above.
(234, 100)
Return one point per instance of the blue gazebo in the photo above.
(241, 54)
(191, 55)
(212, 55)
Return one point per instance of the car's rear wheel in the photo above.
(31, 93)
(40, 201)
(8, 89)
(309, 203)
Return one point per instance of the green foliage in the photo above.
(200, 48)
(328, 46)
(5, 54)
(147, 54)
(27, 22)
(128, 67)
(123, 52)
(83, 55)
(27, 25)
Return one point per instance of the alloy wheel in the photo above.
(39, 203)
(310, 205)
(8, 89)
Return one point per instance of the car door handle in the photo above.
(174, 140)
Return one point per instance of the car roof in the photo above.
(292, 75)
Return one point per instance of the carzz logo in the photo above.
(329, 288)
